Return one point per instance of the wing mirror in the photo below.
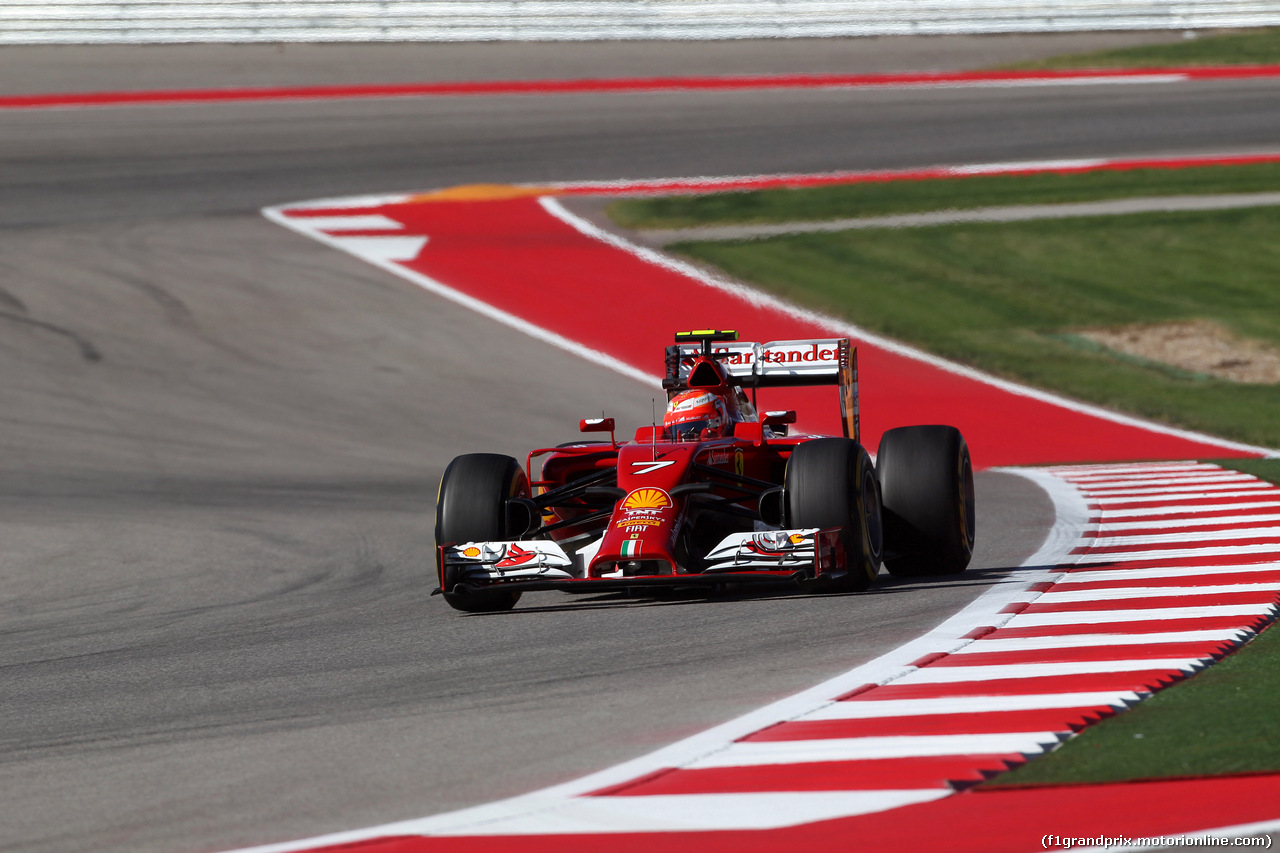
(598, 425)
(779, 421)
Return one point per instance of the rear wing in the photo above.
(775, 364)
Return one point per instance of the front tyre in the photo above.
(926, 483)
(830, 482)
(472, 507)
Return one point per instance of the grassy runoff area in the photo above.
(1251, 47)
(1009, 298)
(1223, 720)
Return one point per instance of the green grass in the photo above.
(1252, 47)
(893, 197)
(1223, 720)
(1005, 297)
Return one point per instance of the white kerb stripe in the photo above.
(1076, 473)
(696, 812)
(1208, 479)
(995, 672)
(1102, 641)
(1116, 528)
(1155, 614)
(875, 709)
(1179, 553)
(755, 754)
(1106, 501)
(1191, 510)
(1054, 596)
(1136, 575)
(1178, 491)
(1165, 478)
(1187, 536)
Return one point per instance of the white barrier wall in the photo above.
(137, 21)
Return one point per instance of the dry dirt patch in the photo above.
(1198, 346)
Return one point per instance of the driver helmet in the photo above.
(691, 412)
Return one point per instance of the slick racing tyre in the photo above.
(830, 482)
(472, 508)
(926, 485)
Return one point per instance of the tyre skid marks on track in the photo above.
(998, 686)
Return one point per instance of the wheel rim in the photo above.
(871, 522)
(967, 516)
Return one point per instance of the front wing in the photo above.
(770, 556)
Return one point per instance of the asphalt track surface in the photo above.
(221, 441)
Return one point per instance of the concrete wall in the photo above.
(175, 21)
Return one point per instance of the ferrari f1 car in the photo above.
(716, 495)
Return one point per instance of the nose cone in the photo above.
(641, 533)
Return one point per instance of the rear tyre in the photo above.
(830, 482)
(926, 483)
(472, 508)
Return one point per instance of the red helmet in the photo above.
(691, 412)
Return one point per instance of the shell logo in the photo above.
(471, 552)
(647, 499)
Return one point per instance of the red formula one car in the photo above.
(716, 495)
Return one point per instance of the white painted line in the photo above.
(1071, 515)
(1040, 165)
(303, 208)
(1090, 575)
(1102, 641)
(280, 216)
(878, 708)
(383, 249)
(757, 753)
(996, 672)
(735, 182)
(1070, 596)
(1100, 80)
(354, 222)
(699, 812)
(1155, 614)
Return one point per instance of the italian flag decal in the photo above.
(631, 548)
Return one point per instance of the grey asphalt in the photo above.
(221, 443)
